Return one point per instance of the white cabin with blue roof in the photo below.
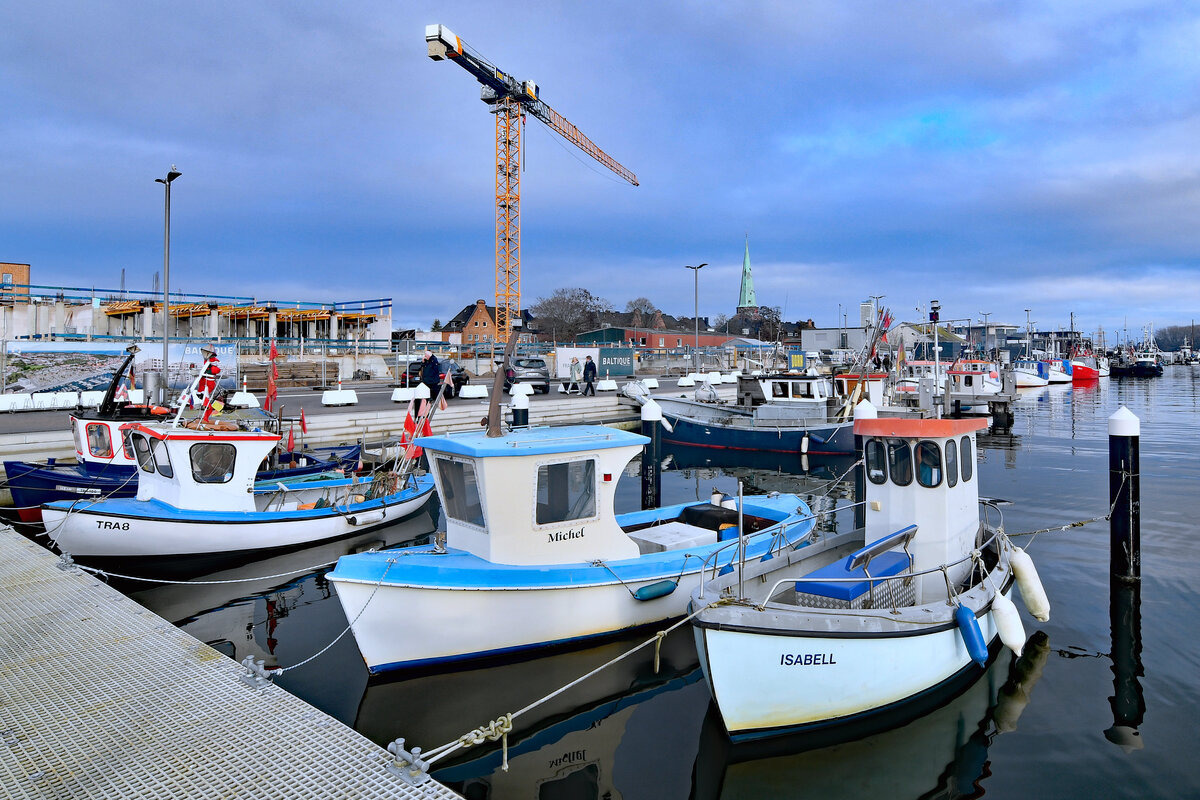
(534, 496)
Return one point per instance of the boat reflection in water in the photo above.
(943, 753)
(619, 733)
(239, 617)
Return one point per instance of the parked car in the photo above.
(528, 369)
(458, 376)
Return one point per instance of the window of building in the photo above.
(460, 491)
(7, 279)
(968, 460)
(900, 462)
(566, 492)
(951, 463)
(212, 462)
(99, 441)
(876, 458)
(929, 464)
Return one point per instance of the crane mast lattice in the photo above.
(510, 100)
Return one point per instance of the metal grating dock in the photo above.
(100, 698)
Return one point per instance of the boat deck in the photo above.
(104, 699)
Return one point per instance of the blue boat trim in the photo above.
(423, 567)
(533, 441)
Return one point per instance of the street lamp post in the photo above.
(172, 174)
(985, 315)
(696, 283)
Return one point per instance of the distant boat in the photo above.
(1030, 373)
(774, 413)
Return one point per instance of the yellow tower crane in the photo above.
(510, 99)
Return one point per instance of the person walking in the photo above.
(431, 372)
(589, 377)
(576, 375)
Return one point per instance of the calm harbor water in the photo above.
(1093, 710)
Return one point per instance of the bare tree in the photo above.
(569, 312)
(642, 304)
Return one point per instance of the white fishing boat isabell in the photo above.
(535, 555)
(861, 622)
(196, 496)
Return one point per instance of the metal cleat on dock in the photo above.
(257, 676)
(408, 767)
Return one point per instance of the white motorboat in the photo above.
(861, 622)
(535, 555)
(197, 496)
(1030, 373)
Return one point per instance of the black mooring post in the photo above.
(1124, 493)
(652, 455)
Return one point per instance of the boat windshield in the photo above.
(212, 462)
(566, 491)
(459, 488)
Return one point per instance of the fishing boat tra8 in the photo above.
(535, 555)
(862, 622)
(197, 497)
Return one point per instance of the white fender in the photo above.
(1032, 593)
(1008, 623)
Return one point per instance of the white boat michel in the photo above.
(535, 555)
(862, 622)
(197, 496)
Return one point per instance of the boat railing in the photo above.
(886, 580)
(779, 542)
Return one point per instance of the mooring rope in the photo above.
(106, 574)
(1112, 507)
(500, 727)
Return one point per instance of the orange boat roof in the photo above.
(918, 428)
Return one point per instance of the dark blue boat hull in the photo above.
(822, 439)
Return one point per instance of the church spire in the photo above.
(747, 305)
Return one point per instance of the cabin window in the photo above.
(900, 462)
(951, 462)
(566, 491)
(145, 459)
(460, 491)
(929, 464)
(968, 460)
(162, 461)
(99, 441)
(127, 444)
(876, 458)
(778, 389)
(212, 462)
(78, 441)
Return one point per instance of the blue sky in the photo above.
(996, 156)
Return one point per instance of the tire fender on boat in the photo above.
(1032, 593)
(1008, 624)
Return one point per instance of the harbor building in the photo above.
(36, 311)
